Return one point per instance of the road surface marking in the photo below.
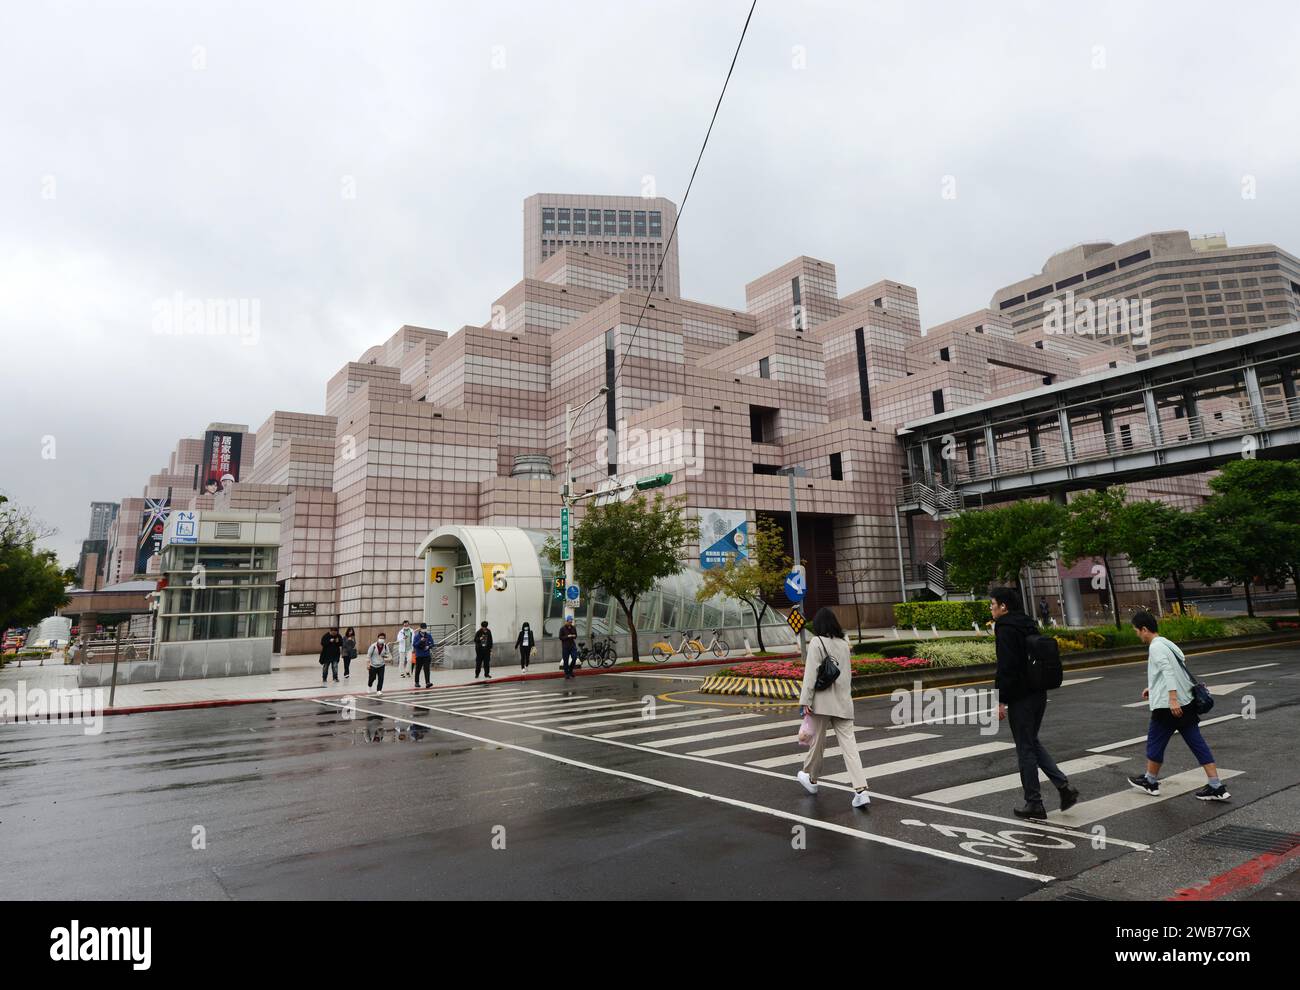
(1102, 841)
(782, 740)
(1238, 670)
(733, 802)
(723, 733)
(659, 714)
(583, 709)
(1131, 798)
(1080, 680)
(668, 728)
(1141, 739)
(1010, 781)
(1218, 690)
(660, 677)
(789, 759)
(618, 708)
(524, 703)
(929, 760)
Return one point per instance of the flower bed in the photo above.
(793, 669)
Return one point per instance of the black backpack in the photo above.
(1043, 670)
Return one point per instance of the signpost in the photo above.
(796, 584)
(796, 621)
(573, 597)
(565, 549)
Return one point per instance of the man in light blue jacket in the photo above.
(1169, 690)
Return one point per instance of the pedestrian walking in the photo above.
(1170, 691)
(827, 699)
(1022, 704)
(524, 643)
(483, 651)
(568, 646)
(1044, 613)
(422, 650)
(349, 651)
(331, 645)
(376, 657)
(404, 642)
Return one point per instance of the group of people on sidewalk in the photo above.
(827, 706)
(413, 650)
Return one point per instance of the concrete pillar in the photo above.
(1195, 430)
(1067, 437)
(1108, 427)
(1256, 396)
(1153, 416)
(991, 448)
(1071, 600)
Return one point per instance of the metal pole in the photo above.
(568, 495)
(902, 571)
(794, 533)
(117, 649)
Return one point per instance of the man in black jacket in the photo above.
(1021, 705)
(331, 645)
(483, 651)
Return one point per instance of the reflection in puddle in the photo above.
(376, 731)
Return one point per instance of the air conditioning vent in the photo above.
(227, 531)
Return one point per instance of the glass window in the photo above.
(656, 223)
(579, 221)
(611, 228)
(548, 221)
(640, 228)
(624, 223)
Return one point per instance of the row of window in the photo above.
(1065, 283)
(610, 223)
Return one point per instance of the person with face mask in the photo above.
(376, 657)
(525, 643)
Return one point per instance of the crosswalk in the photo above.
(978, 773)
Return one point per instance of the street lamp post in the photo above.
(792, 473)
(570, 421)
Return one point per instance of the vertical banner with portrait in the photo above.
(152, 523)
(221, 454)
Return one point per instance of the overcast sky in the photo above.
(353, 167)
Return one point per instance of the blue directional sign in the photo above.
(572, 593)
(796, 585)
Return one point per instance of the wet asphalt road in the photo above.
(489, 793)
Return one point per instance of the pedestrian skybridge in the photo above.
(1174, 415)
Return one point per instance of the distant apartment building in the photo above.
(632, 230)
(1192, 290)
(102, 515)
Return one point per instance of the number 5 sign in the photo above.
(436, 574)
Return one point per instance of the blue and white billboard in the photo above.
(724, 533)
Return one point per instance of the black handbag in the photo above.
(827, 671)
(1202, 701)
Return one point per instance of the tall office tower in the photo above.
(1195, 290)
(102, 515)
(631, 229)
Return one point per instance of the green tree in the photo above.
(984, 547)
(1163, 543)
(623, 548)
(32, 584)
(1258, 504)
(1094, 529)
(755, 580)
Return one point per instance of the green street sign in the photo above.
(654, 481)
(565, 550)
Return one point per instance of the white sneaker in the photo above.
(861, 800)
(379, 692)
(807, 782)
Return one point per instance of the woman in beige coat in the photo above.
(832, 708)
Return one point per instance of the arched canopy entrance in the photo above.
(477, 573)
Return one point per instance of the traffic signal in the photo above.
(654, 481)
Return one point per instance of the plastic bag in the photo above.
(807, 730)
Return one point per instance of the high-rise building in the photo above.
(102, 515)
(1194, 290)
(630, 229)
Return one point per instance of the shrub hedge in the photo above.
(955, 653)
(941, 615)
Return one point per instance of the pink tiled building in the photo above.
(429, 429)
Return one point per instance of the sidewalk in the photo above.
(297, 677)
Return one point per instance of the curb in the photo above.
(510, 679)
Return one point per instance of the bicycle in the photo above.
(717, 646)
(598, 653)
(689, 648)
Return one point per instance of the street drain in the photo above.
(1079, 895)
(1258, 840)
